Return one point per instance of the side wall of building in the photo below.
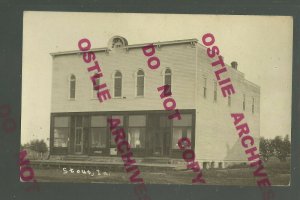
(216, 137)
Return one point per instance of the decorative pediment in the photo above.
(117, 42)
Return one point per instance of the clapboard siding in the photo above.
(216, 137)
(179, 58)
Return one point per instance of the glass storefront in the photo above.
(149, 134)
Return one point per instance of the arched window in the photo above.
(118, 84)
(72, 86)
(140, 79)
(168, 78)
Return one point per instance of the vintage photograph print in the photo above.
(156, 98)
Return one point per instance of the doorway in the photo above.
(159, 135)
(81, 134)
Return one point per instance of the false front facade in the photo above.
(79, 121)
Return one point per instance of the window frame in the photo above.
(98, 127)
(164, 77)
(182, 127)
(141, 127)
(136, 83)
(62, 127)
(70, 82)
(114, 81)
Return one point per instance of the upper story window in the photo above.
(215, 91)
(95, 91)
(72, 86)
(252, 105)
(244, 102)
(168, 78)
(229, 100)
(118, 84)
(204, 86)
(140, 83)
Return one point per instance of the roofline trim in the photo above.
(126, 47)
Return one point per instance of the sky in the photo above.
(262, 46)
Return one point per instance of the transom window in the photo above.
(140, 83)
(118, 84)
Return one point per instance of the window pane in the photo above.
(136, 137)
(179, 133)
(140, 91)
(118, 83)
(61, 137)
(118, 87)
(72, 87)
(98, 121)
(61, 121)
(137, 120)
(140, 86)
(167, 79)
(117, 93)
(140, 81)
(186, 120)
(98, 137)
